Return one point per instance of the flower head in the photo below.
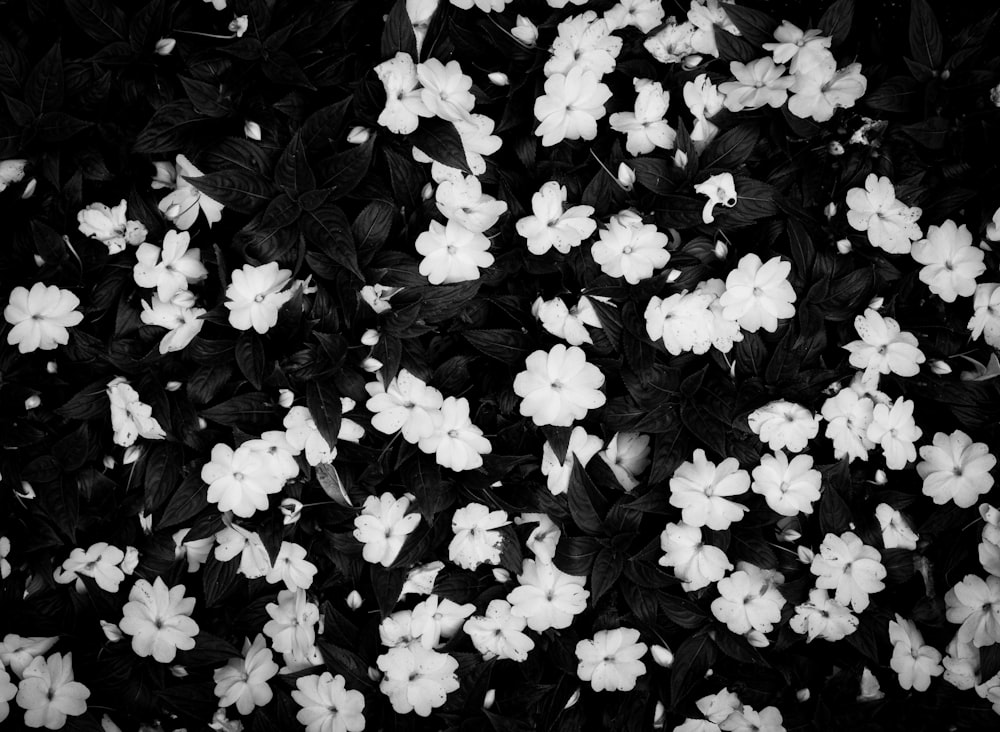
(610, 661)
(956, 469)
(383, 527)
(975, 604)
(721, 190)
(553, 226)
(171, 269)
(891, 224)
(645, 128)
(784, 425)
(456, 442)
(823, 617)
(559, 387)
(951, 261)
(547, 597)
(819, 88)
(583, 41)
(571, 106)
(758, 294)
(499, 633)
(101, 562)
(292, 627)
(696, 564)
(328, 705)
(789, 487)
(758, 83)
(985, 320)
(452, 253)
(159, 620)
(40, 317)
(476, 539)
(748, 601)
(240, 480)
(255, 296)
(850, 567)
(630, 249)
(48, 694)
(894, 429)
(437, 618)
(445, 90)
(884, 348)
(417, 679)
(567, 323)
(110, 227)
(896, 531)
(243, 681)
(182, 205)
(406, 405)
(914, 661)
(627, 454)
(178, 315)
(463, 200)
(700, 488)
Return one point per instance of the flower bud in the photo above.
(940, 367)
(805, 554)
(501, 575)
(498, 78)
(52, 367)
(371, 365)
(876, 303)
(131, 560)
(709, 674)
(525, 31)
(880, 477)
(165, 46)
(39, 260)
(680, 159)
(673, 275)
(788, 535)
(27, 492)
(359, 135)
(803, 695)
(109, 462)
(844, 246)
(573, 699)
(721, 249)
(202, 424)
(370, 337)
(108, 725)
(145, 522)
(626, 177)
(489, 699)
(427, 192)
(995, 95)
(32, 402)
(172, 386)
(354, 600)
(757, 639)
(239, 25)
(830, 210)
(286, 398)
(374, 674)
(178, 672)
(659, 716)
(662, 655)
(132, 453)
(835, 148)
(111, 631)
(291, 509)
(692, 60)
(29, 190)
(252, 130)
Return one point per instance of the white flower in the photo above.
(452, 253)
(243, 681)
(292, 567)
(704, 100)
(784, 425)
(559, 387)
(896, 531)
(48, 694)
(446, 91)
(884, 348)
(747, 602)
(478, 140)
(567, 323)
(610, 662)
(100, 562)
(278, 451)
(328, 705)
(692, 321)
(499, 634)
(255, 296)
(40, 317)
(177, 316)
(110, 227)
(758, 293)
(820, 89)
(159, 620)
(543, 538)
(406, 405)
(383, 527)
(436, 618)
(672, 43)
(790, 488)
(551, 225)
(417, 679)
(851, 568)
(456, 443)
(396, 630)
(700, 489)
(823, 617)
(170, 269)
(627, 454)
(951, 261)
(696, 564)
(914, 661)
(292, 627)
(706, 15)
(894, 429)
(630, 249)
(758, 83)
(240, 480)
(961, 665)
(181, 206)
(11, 171)
(463, 200)
(404, 104)
(420, 580)
(848, 415)
(580, 446)
(377, 297)
(8, 690)
(798, 46)
(254, 559)
(5, 568)
(986, 319)
(130, 417)
(891, 224)
(642, 14)
(748, 719)
(303, 434)
(475, 541)
(956, 469)
(571, 106)
(720, 189)
(18, 652)
(547, 597)
(583, 41)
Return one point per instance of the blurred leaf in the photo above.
(926, 43)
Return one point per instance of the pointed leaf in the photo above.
(397, 34)
(293, 173)
(99, 19)
(926, 43)
(44, 87)
(324, 407)
(236, 189)
(439, 140)
(250, 357)
(328, 230)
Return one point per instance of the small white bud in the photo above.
(501, 575)
(109, 462)
(692, 61)
(805, 554)
(659, 716)
(940, 367)
(27, 492)
(108, 725)
(354, 600)
(252, 130)
(626, 177)
(359, 135)
(498, 78)
(370, 337)
(32, 402)
(286, 398)
(202, 424)
(165, 46)
(374, 674)
(709, 674)
(146, 523)
(131, 560)
(239, 25)
(573, 699)
(39, 260)
(721, 249)
(321, 624)
(29, 190)
(489, 699)
(525, 31)
(876, 303)
(52, 367)
(844, 246)
(111, 631)
(803, 695)
(662, 655)
(880, 477)
(830, 210)
(835, 148)
(673, 275)
(172, 385)
(132, 454)
(680, 159)
(178, 672)
(371, 365)
(757, 639)
(427, 192)
(291, 509)
(789, 535)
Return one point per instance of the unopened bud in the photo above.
(354, 600)
(286, 398)
(359, 135)
(27, 492)
(880, 477)
(626, 177)
(844, 246)
(32, 402)
(501, 575)
(374, 674)
(995, 95)
(29, 190)
(757, 639)
(803, 695)
(178, 672)
(498, 78)
(573, 699)
(252, 130)
(131, 560)
(370, 337)
(662, 655)
(830, 210)
(111, 631)
(789, 535)
(680, 159)
(805, 554)
(659, 716)
(427, 192)
(525, 31)
(109, 462)
(165, 46)
(371, 365)
(673, 275)
(202, 424)
(709, 674)
(692, 61)
(835, 148)
(132, 453)
(172, 385)
(876, 303)
(940, 367)
(489, 699)
(721, 249)
(39, 260)
(108, 725)
(52, 367)
(291, 509)
(239, 25)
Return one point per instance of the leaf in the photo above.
(692, 659)
(734, 48)
(59, 126)
(576, 554)
(347, 663)
(932, 133)
(187, 501)
(344, 171)
(896, 94)
(837, 20)
(834, 513)
(508, 346)
(162, 472)
(372, 226)
(99, 19)
(397, 34)
(168, 129)
(328, 229)
(926, 43)
(245, 411)
(43, 90)
(329, 480)
(218, 579)
(236, 189)
(608, 566)
(12, 67)
(682, 612)
(89, 402)
(732, 148)
(206, 98)
(440, 141)
(642, 602)
(292, 172)
(754, 25)
(324, 407)
(387, 584)
(250, 357)
(146, 26)
(581, 505)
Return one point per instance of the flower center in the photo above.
(238, 476)
(627, 250)
(259, 298)
(453, 433)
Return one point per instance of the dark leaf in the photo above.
(329, 480)
(732, 148)
(837, 20)
(440, 141)
(344, 171)
(246, 411)
(59, 126)
(205, 98)
(328, 230)
(926, 43)
(43, 90)
(169, 128)
(187, 501)
(581, 504)
(734, 48)
(508, 346)
(754, 25)
(932, 133)
(147, 26)
(387, 584)
(681, 611)
(90, 402)
(292, 172)
(236, 189)
(397, 34)
(575, 554)
(896, 94)
(324, 407)
(12, 67)
(99, 19)
(250, 357)
(692, 659)
(162, 472)
(218, 579)
(608, 566)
